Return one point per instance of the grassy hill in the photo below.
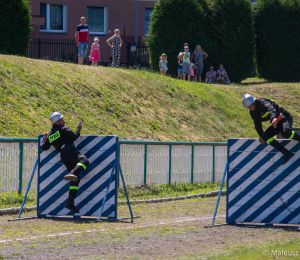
(131, 104)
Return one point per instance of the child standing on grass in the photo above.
(163, 64)
(179, 61)
(186, 66)
(193, 67)
(95, 52)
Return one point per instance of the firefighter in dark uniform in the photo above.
(62, 138)
(262, 109)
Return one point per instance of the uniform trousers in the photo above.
(284, 127)
(75, 163)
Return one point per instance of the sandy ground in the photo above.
(170, 230)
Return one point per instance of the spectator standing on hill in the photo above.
(186, 66)
(115, 43)
(222, 76)
(263, 109)
(186, 44)
(210, 76)
(95, 52)
(163, 64)
(198, 56)
(193, 67)
(81, 38)
(179, 61)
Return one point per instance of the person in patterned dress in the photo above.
(115, 43)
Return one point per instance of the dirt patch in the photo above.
(171, 230)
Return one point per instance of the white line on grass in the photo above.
(92, 231)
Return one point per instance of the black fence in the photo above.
(53, 49)
(141, 50)
(67, 51)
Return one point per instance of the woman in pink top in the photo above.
(95, 52)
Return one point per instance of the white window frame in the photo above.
(48, 30)
(105, 20)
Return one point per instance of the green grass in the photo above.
(163, 232)
(164, 190)
(13, 199)
(131, 104)
(276, 250)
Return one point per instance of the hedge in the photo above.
(223, 28)
(277, 27)
(15, 30)
(233, 31)
(174, 22)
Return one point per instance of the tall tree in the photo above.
(233, 32)
(277, 26)
(174, 22)
(15, 30)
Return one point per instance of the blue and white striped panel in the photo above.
(259, 188)
(53, 190)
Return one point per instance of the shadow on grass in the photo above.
(252, 83)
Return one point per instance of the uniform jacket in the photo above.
(265, 109)
(58, 136)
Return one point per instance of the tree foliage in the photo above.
(233, 34)
(15, 30)
(174, 22)
(277, 27)
(223, 28)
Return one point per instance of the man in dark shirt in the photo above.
(263, 109)
(62, 137)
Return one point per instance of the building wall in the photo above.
(120, 15)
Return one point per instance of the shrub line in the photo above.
(202, 195)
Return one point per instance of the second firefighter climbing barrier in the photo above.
(260, 189)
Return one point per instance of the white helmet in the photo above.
(54, 117)
(248, 100)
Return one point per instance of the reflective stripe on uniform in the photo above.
(292, 135)
(53, 137)
(270, 140)
(73, 187)
(82, 165)
(265, 115)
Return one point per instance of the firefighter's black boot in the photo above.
(287, 155)
(70, 205)
(70, 177)
(296, 137)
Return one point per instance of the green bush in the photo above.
(223, 28)
(277, 26)
(15, 30)
(232, 30)
(174, 22)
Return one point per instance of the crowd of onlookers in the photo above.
(190, 64)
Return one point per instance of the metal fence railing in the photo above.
(53, 49)
(142, 52)
(142, 162)
(148, 162)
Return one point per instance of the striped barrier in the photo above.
(259, 188)
(53, 190)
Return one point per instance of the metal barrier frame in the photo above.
(21, 142)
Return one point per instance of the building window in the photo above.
(148, 12)
(97, 19)
(56, 18)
